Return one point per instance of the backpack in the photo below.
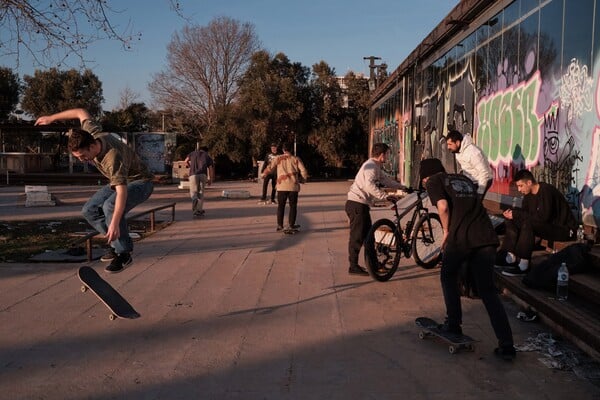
(543, 274)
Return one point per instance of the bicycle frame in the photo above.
(419, 210)
(420, 238)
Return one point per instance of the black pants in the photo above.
(519, 237)
(273, 179)
(488, 185)
(282, 198)
(481, 263)
(360, 223)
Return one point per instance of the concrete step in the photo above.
(578, 318)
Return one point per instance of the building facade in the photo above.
(522, 77)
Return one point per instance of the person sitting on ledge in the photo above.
(544, 213)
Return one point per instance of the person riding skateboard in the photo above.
(130, 182)
(290, 173)
(469, 240)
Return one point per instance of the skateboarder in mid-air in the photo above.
(130, 183)
(468, 238)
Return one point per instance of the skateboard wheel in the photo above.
(83, 288)
(470, 347)
(452, 349)
(112, 317)
(421, 335)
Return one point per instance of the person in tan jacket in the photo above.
(290, 170)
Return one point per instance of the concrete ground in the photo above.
(232, 309)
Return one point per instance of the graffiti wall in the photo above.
(156, 150)
(525, 84)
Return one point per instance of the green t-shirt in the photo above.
(117, 161)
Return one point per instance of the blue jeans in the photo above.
(98, 211)
(197, 186)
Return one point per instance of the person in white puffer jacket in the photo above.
(473, 163)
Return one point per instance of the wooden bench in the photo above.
(87, 239)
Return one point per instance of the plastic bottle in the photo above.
(580, 234)
(562, 282)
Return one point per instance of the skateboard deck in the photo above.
(291, 231)
(455, 342)
(118, 306)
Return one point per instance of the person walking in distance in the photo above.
(129, 183)
(201, 172)
(473, 163)
(469, 240)
(290, 170)
(365, 189)
(272, 177)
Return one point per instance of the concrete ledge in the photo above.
(573, 319)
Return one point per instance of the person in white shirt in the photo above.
(473, 162)
(364, 191)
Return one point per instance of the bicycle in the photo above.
(387, 240)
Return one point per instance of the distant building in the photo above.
(341, 80)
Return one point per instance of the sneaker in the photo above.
(501, 263)
(295, 226)
(119, 263)
(514, 270)
(529, 315)
(448, 328)
(506, 353)
(199, 213)
(357, 270)
(279, 228)
(273, 201)
(109, 256)
(262, 201)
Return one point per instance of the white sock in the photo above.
(523, 264)
(510, 257)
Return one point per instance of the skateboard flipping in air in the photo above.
(455, 341)
(118, 306)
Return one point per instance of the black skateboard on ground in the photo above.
(118, 306)
(291, 231)
(455, 342)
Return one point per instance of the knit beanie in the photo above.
(430, 166)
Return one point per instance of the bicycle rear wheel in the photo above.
(427, 241)
(382, 250)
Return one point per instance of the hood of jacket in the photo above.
(465, 143)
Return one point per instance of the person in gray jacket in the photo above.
(364, 191)
(473, 163)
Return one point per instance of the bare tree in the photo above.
(127, 97)
(51, 31)
(205, 64)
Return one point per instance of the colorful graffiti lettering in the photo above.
(509, 128)
(576, 90)
(389, 135)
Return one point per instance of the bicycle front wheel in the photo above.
(382, 250)
(427, 241)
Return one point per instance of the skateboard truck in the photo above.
(118, 306)
(456, 342)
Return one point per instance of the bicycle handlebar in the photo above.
(409, 190)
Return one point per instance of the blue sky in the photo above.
(340, 32)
